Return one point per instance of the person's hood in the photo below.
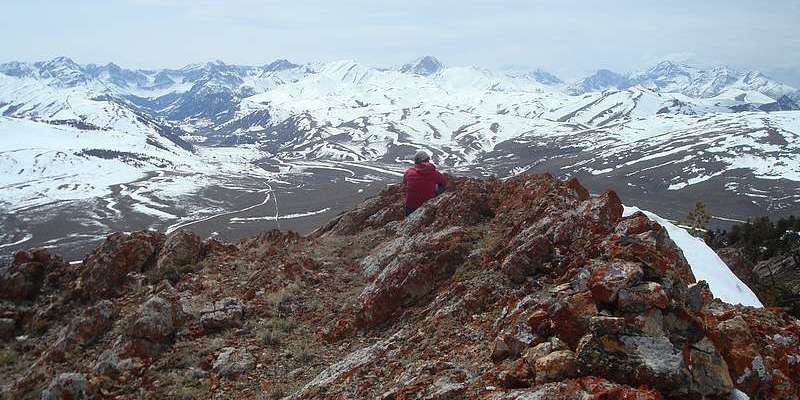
(424, 168)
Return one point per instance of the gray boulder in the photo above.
(67, 386)
(232, 362)
(224, 314)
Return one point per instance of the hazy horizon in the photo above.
(566, 38)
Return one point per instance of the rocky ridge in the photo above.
(512, 289)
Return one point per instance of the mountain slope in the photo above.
(513, 289)
(426, 65)
(41, 162)
(601, 80)
(657, 139)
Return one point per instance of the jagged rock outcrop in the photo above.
(760, 347)
(106, 270)
(181, 250)
(95, 321)
(559, 266)
(24, 278)
(154, 326)
(515, 289)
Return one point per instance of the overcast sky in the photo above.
(568, 37)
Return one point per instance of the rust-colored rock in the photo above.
(497, 289)
(608, 279)
(154, 326)
(517, 377)
(572, 316)
(580, 191)
(412, 275)
(24, 278)
(556, 366)
(641, 297)
(96, 321)
(181, 250)
(104, 272)
(760, 348)
(660, 257)
(604, 211)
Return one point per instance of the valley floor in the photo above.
(228, 207)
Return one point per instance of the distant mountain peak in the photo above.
(59, 63)
(670, 64)
(536, 74)
(61, 60)
(602, 79)
(545, 77)
(691, 80)
(668, 68)
(63, 69)
(427, 65)
(280, 65)
(606, 73)
(17, 69)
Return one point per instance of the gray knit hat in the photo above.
(421, 157)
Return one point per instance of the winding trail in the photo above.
(277, 212)
(370, 167)
(26, 238)
(180, 225)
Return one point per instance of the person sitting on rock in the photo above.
(421, 182)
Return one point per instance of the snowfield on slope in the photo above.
(706, 264)
(41, 163)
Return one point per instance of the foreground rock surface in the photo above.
(520, 289)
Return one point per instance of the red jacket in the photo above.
(419, 183)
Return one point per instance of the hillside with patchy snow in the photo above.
(103, 134)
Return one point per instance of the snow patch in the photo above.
(706, 264)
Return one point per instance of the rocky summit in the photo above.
(525, 288)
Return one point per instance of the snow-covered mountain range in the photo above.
(692, 81)
(672, 134)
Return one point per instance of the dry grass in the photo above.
(7, 357)
(281, 300)
(302, 352)
(270, 337)
(274, 392)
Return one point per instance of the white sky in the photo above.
(570, 38)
